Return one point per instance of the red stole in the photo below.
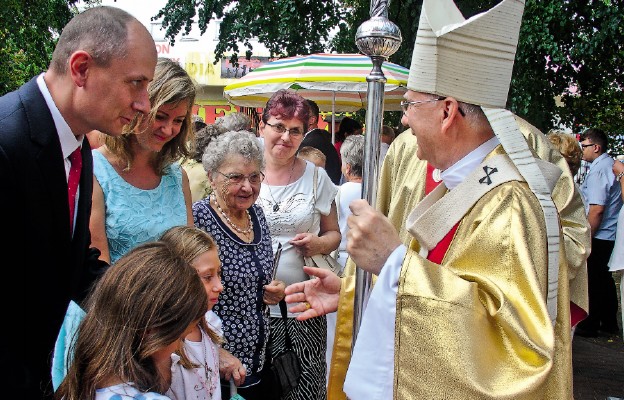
(437, 253)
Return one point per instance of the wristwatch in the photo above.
(619, 176)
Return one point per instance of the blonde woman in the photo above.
(569, 148)
(140, 190)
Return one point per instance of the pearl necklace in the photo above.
(231, 223)
(276, 206)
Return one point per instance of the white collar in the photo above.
(69, 142)
(310, 130)
(456, 173)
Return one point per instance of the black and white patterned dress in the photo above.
(298, 211)
(246, 269)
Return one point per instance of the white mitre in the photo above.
(472, 61)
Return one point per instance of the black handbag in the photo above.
(282, 376)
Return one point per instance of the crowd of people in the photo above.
(156, 273)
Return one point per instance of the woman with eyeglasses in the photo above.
(233, 162)
(304, 224)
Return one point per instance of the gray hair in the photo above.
(352, 153)
(236, 121)
(100, 31)
(203, 137)
(243, 143)
(388, 131)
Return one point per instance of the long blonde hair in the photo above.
(189, 243)
(569, 148)
(171, 85)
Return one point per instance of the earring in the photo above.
(224, 192)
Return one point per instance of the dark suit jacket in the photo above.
(49, 267)
(320, 139)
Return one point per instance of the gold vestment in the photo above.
(400, 191)
(476, 326)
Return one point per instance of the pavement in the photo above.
(598, 366)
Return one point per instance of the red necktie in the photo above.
(75, 159)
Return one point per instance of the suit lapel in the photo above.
(48, 154)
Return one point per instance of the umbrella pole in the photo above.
(333, 127)
(377, 38)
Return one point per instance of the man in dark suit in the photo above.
(320, 139)
(97, 79)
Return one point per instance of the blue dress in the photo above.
(246, 268)
(133, 215)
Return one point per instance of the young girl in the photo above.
(195, 369)
(136, 317)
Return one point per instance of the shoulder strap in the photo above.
(282, 306)
(338, 204)
(315, 184)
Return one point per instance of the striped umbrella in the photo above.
(336, 82)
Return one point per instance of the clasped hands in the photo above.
(307, 244)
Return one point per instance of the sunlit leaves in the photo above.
(285, 27)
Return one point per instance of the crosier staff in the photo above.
(377, 38)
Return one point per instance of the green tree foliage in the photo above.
(285, 27)
(563, 44)
(28, 32)
(568, 44)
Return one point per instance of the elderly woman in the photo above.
(352, 155)
(303, 224)
(233, 162)
(236, 121)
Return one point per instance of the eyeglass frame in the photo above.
(584, 146)
(406, 104)
(276, 128)
(242, 177)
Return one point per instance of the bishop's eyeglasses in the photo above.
(405, 105)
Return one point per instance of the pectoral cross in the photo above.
(488, 172)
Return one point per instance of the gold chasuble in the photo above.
(400, 190)
(401, 182)
(476, 326)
